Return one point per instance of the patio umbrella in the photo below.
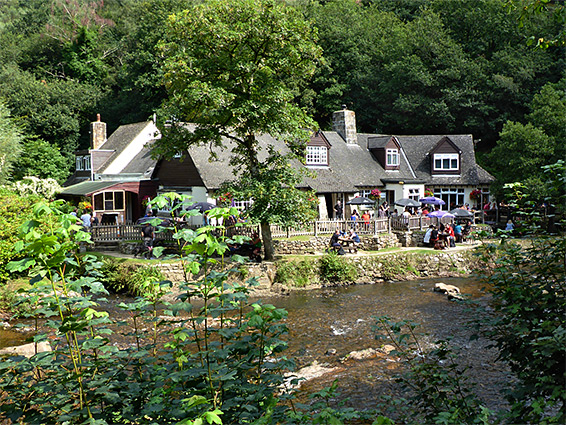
(461, 213)
(432, 200)
(360, 200)
(439, 213)
(201, 206)
(406, 202)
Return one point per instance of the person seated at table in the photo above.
(427, 240)
(466, 230)
(335, 243)
(354, 237)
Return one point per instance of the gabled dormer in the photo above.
(387, 151)
(445, 158)
(318, 151)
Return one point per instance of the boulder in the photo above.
(26, 350)
(446, 289)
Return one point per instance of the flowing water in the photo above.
(325, 325)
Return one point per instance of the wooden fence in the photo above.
(115, 233)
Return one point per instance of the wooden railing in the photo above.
(121, 232)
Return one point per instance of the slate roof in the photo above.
(417, 149)
(120, 139)
(352, 166)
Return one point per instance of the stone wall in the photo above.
(370, 269)
(319, 244)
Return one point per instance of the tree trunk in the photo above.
(267, 241)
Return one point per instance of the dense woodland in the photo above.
(404, 66)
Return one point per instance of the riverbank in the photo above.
(311, 271)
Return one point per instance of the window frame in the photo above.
(392, 154)
(79, 163)
(450, 157)
(316, 155)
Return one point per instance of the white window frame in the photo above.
(243, 205)
(79, 163)
(447, 159)
(317, 155)
(392, 157)
(86, 162)
(414, 194)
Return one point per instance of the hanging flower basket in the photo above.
(475, 194)
(375, 194)
(428, 192)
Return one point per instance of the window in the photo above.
(392, 158)
(86, 163)
(446, 161)
(414, 194)
(243, 205)
(79, 163)
(317, 155)
(109, 201)
(453, 197)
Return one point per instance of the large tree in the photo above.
(234, 68)
(10, 143)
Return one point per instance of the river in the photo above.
(325, 325)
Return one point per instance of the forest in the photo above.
(404, 66)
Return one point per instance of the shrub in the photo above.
(528, 325)
(297, 273)
(335, 269)
(14, 211)
(122, 276)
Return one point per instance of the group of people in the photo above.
(446, 235)
(339, 237)
(86, 219)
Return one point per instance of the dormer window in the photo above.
(317, 155)
(392, 158)
(446, 162)
(79, 163)
(86, 162)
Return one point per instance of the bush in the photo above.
(122, 276)
(14, 211)
(336, 269)
(528, 325)
(297, 273)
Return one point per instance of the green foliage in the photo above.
(121, 276)
(437, 387)
(527, 325)
(297, 273)
(264, 52)
(32, 161)
(336, 269)
(10, 144)
(14, 211)
(215, 359)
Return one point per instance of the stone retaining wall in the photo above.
(370, 269)
(319, 244)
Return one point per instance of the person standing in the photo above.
(338, 211)
(86, 220)
(148, 235)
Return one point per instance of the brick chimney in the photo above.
(344, 123)
(97, 133)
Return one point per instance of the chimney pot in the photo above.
(97, 117)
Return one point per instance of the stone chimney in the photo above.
(97, 133)
(344, 123)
